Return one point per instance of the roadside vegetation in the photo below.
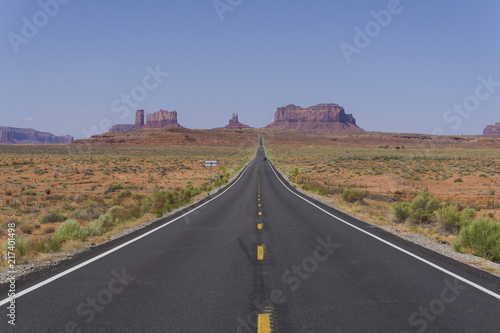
(448, 195)
(60, 201)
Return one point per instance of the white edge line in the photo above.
(458, 277)
(85, 263)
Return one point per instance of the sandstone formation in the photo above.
(317, 118)
(11, 135)
(160, 119)
(234, 123)
(492, 129)
(122, 128)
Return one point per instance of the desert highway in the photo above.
(257, 257)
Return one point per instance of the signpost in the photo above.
(224, 175)
(210, 164)
(296, 175)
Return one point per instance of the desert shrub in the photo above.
(353, 194)
(69, 205)
(21, 245)
(53, 217)
(113, 187)
(125, 194)
(48, 230)
(147, 204)
(106, 221)
(452, 218)
(70, 229)
(481, 237)
(400, 211)
(422, 208)
(458, 180)
(95, 228)
(27, 229)
(86, 214)
(42, 246)
(117, 212)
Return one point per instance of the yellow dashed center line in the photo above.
(259, 226)
(260, 205)
(264, 323)
(260, 213)
(260, 252)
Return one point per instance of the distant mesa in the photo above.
(11, 135)
(318, 118)
(492, 129)
(234, 124)
(159, 119)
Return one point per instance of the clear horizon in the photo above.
(398, 66)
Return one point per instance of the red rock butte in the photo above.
(159, 119)
(318, 118)
(492, 129)
(234, 124)
(11, 135)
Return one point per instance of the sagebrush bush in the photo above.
(53, 217)
(117, 212)
(113, 187)
(452, 218)
(400, 211)
(86, 214)
(21, 245)
(70, 229)
(481, 237)
(422, 208)
(353, 194)
(124, 194)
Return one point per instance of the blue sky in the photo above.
(432, 67)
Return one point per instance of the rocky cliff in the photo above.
(234, 123)
(317, 118)
(11, 135)
(492, 129)
(159, 119)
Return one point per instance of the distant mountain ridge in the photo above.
(12, 135)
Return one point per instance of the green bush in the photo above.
(42, 246)
(400, 211)
(481, 237)
(452, 218)
(95, 228)
(86, 214)
(70, 229)
(422, 208)
(113, 187)
(117, 212)
(21, 245)
(353, 194)
(125, 194)
(53, 217)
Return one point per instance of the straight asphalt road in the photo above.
(258, 257)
